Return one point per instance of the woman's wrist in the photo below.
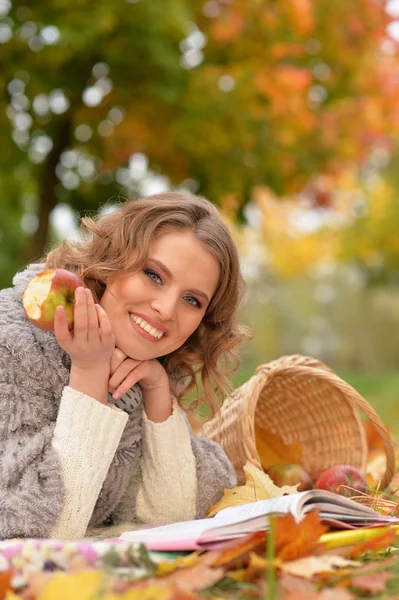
(158, 404)
(92, 382)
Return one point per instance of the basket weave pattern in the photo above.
(301, 400)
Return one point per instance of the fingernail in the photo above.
(115, 396)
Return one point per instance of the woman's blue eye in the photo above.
(192, 300)
(153, 275)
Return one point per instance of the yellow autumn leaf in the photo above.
(85, 585)
(273, 451)
(258, 486)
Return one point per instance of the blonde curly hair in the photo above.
(106, 253)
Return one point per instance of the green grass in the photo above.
(381, 390)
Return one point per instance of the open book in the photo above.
(237, 521)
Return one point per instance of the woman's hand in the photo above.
(153, 380)
(90, 345)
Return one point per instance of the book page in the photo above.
(335, 503)
(176, 531)
(284, 504)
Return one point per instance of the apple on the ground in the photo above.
(342, 475)
(46, 291)
(290, 474)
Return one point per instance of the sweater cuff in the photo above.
(86, 437)
(168, 491)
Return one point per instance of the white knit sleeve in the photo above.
(86, 436)
(168, 491)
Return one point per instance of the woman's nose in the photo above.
(165, 305)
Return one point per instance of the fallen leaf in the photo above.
(336, 593)
(373, 582)
(382, 542)
(192, 579)
(85, 585)
(258, 486)
(310, 565)
(150, 590)
(5, 582)
(294, 540)
(255, 567)
(272, 450)
(235, 552)
(376, 467)
(296, 588)
(374, 439)
(37, 581)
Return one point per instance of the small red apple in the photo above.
(341, 475)
(290, 474)
(46, 291)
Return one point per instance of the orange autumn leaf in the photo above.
(5, 583)
(272, 449)
(236, 551)
(382, 542)
(374, 440)
(294, 540)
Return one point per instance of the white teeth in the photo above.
(147, 327)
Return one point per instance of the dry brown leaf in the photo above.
(294, 540)
(258, 486)
(336, 593)
(256, 566)
(310, 565)
(192, 579)
(296, 588)
(273, 451)
(372, 582)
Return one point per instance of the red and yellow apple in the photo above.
(46, 291)
(342, 475)
(290, 474)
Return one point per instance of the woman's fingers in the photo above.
(116, 359)
(80, 317)
(132, 378)
(121, 374)
(61, 330)
(92, 318)
(106, 335)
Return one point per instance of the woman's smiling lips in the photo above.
(147, 328)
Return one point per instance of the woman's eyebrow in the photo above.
(169, 274)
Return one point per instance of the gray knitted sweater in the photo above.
(33, 373)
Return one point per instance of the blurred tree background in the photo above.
(284, 113)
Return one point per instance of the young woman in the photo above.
(91, 431)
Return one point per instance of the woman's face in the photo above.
(153, 311)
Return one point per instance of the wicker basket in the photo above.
(301, 400)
